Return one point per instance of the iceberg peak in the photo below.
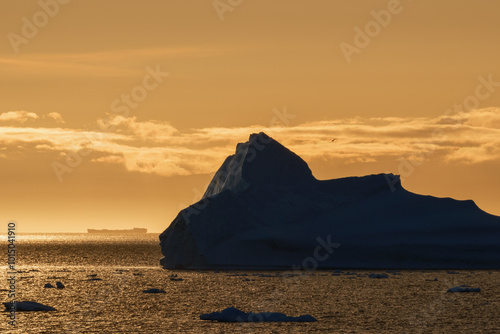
(259, 162)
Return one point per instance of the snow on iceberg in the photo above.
(232, 314)
(264, 209)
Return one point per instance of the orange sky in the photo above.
(116, 114)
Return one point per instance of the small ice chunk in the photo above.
(263, 275)
(232, 314)
(27, 306)
(176, 279)
(378, 276)
(153, 291)
(464, 288)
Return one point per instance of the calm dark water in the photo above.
(343, 302)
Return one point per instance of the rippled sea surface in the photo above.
(342, 302)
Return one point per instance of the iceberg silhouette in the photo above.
(264, 209)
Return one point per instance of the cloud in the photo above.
(157, 147)
(56, 117)
(110, 63)
(20, 116)
(152, 130)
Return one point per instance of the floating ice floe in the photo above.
(464, 288)
(263, 275)
(232, 314)
(378, 276)
(394, 272)
(153, 291)
(27, 306)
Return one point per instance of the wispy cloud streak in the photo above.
(158, 147)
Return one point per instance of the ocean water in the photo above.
(342, 302)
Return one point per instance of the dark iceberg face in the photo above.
(265, 209)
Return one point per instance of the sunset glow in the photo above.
(116, 114)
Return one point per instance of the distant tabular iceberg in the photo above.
(265, 209)
(134, 230)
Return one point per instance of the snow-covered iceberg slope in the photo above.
(265, 209)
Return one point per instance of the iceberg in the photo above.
(232, 314)
(264, 209)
